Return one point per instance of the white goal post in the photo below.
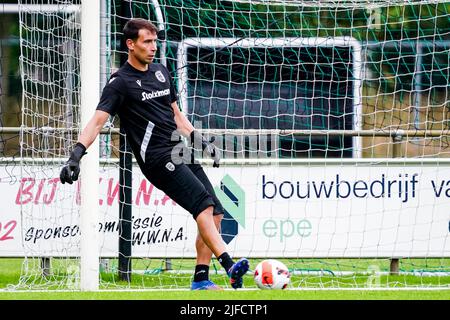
(90, 94)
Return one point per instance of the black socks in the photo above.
(225, 261)
(201, 272)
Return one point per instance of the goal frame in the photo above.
(90, 93)
(182, 61)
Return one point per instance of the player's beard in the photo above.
(145, 61)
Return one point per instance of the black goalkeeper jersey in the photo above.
(142, 100)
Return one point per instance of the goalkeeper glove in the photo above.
(71, 170)
(197, 139)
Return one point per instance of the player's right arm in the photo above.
(110, 101)
(93, 128)
(71, 170)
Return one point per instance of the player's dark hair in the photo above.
(132, 27)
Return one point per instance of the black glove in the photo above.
(198, 140)
(71, 170)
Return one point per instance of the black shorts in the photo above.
(186, 184)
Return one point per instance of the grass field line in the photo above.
(233, 290)
(322, 272)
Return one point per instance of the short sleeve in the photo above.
(173, 91)
(112, 96)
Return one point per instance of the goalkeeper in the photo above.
(141, 93)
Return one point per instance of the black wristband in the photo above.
(78, 152)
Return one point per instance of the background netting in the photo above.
(279, 81)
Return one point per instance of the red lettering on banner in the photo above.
(46, 189)
(112, 194)
(54, 184)
(9, 227)
(165, 199)
(24, 195)
(146, 194)
(100, 201)
(26, 191)
(39, 191)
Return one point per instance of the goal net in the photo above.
(332, 118)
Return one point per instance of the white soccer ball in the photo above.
(271, 274)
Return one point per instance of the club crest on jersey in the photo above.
(139, 83)
(170, 166)
(160, 76)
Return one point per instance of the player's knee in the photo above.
(207, 211)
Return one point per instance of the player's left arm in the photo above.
(186, 129)
(184, 126)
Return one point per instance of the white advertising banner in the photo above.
(272, 211)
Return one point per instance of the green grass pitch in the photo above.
(176, 286)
